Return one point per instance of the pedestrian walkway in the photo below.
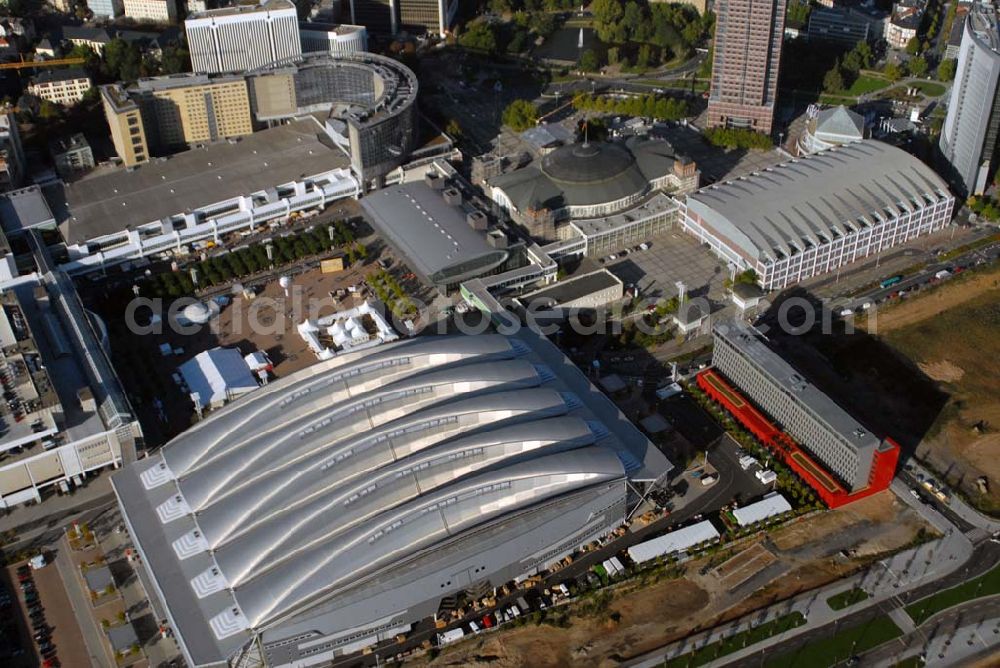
(883, 581)
(80, 603)
(902, 620)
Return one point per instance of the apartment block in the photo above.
(71, 155)
(125, 123)
(156, 11)
(61, 86)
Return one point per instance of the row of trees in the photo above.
(126, 61)
(391, 293)
(741, 138)
(985, 207)
(649, 106)
(511, 6)
(512, 37)
(222, 269)
(674, 27)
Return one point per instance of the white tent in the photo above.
(769, 506)
(217, 376)
(675, 541)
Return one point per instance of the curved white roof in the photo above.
(316, 482)
(811, 200)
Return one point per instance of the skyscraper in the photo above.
(969, 138)
(747, 46)
(243, 37)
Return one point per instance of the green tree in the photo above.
(833, 82)
(589, 62)
(913, 46)
(893, 71)
(479, 37)
(798, 13)
(520, 115)
(175, 59)
(453, 130)
(49, 110)
(918, 66)
(946, 70)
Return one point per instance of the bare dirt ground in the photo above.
(744, 566)
(950, 333)
(928, 304)
(639, 619)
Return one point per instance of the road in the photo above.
(988, 253)
(891, 583)
(974, 621)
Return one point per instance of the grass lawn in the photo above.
(867, 84)
(840, 647)
(985, 585)
(912, 662)
(846, 598)
(928, 88)
(707, 654)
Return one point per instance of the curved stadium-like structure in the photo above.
(338, 506)
(368, 102)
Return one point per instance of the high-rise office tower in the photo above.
(747, 46)
(243, 37)
(969, 138)
(391, 16)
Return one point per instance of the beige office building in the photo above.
(183, 110)
(196, 111)
(125, 123)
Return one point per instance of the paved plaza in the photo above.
(672, 256)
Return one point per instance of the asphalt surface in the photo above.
(945, 624)
(984, 557)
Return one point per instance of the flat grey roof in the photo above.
(653, 205)
(98, 578)
(123, 637)
(811, 200)
(23, 209)
(432, 234)
(781, 373)
(573, 288)
(109, 202)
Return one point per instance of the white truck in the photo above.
(449, 637)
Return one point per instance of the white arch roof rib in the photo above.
(259, 519)
(344, 505)
(792, 204)
(316, 571)
(355, 415)
(270, 408)
(275, 490)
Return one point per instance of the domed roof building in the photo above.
(590, 179)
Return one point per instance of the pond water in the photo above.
(564, 44)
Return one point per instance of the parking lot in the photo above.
(671, 257)
(56, 620)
